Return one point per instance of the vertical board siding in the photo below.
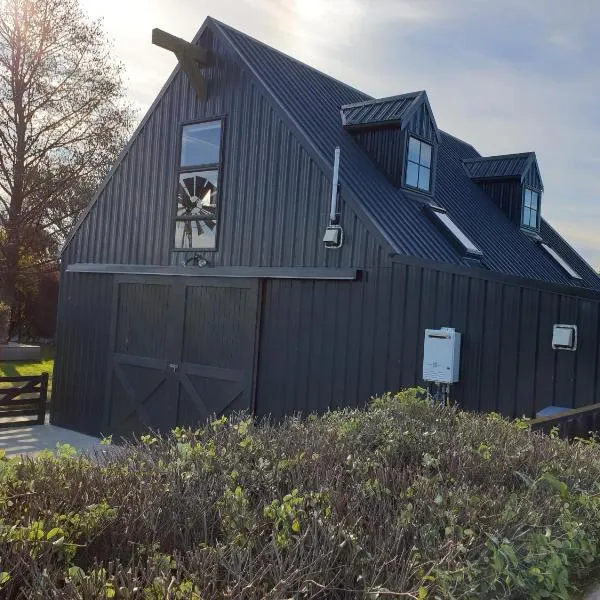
(386, 147)
(143, 320)
(327, 344)
(82, 347)
(422, 123)
(274, 199)
(507, 194)
(532, 178)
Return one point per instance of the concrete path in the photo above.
(32, 439)
(593, 594)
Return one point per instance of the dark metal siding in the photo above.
(82, 346)
(386, 147)
(274, 197)
(336, 343)
(533, 178)
(422, 124)
(326, 344)
(507, 194)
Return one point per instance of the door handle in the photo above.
(173, 367)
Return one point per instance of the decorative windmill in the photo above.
(191, 58)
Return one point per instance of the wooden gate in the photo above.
(23, 400)
(182, 350)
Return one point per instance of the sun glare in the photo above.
(309, 9)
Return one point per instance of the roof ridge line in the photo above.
(306, 141)
(497, 156)
(223, 25)
(454, 137)
(386, 99)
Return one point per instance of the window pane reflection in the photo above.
(195, 234)
(200, 144)
(197, 194)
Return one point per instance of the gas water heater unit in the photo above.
(441, 355)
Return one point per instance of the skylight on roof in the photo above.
(453, 229)
(558, 258)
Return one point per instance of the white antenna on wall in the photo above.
(334, 235)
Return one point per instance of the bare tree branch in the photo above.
(63, 120)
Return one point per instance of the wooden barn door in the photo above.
(140, 387)
(182, 350)
(218, 347)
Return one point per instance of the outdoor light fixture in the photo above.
(197, 260)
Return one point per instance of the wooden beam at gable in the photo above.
(191, 58)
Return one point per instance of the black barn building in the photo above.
(216, 269)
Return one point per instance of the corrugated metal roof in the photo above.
(311, 101)
(383, 110)
(508, 165)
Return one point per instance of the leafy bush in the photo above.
(402, 499)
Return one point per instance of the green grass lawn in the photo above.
(44, 365)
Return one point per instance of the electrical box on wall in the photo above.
(333, 237)
(564, 337)
(441, 355)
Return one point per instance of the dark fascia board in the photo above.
(494, 178)
(128, 146)
(391, 124)
(249, 272)
(555, 288)
(366, 216)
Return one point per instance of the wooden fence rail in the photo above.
(21, 397)
(579, 422)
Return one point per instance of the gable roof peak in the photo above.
(394, 111)
(501, 166)
(227, 30)
(386, 99)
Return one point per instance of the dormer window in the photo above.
(531, 209)
(418, 164)
(400, 134)
(514, 183)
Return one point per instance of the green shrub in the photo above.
(402, 499)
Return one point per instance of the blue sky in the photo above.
(508, 76)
